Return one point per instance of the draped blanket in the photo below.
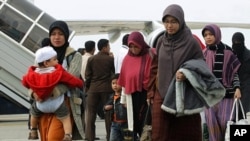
(200, 89)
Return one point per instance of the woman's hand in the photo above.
(180, 76)
(237, 93)
(149, 101)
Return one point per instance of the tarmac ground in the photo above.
(15, 128)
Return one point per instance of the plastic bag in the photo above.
(243, 121)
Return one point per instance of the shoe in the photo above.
(67, 137)
(96, 138)
(33, 135)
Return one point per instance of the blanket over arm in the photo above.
(201, 88)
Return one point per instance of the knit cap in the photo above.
(45, 53)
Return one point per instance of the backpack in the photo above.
(83, 95)
(68, 60)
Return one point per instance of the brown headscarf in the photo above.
(174, 50)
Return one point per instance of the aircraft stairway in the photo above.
(14, 61)
(22, 28)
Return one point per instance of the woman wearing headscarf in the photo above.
(134, 77)
(224, 64)
(50, 127)
(199, 41)
(243, 54)
(176, 46)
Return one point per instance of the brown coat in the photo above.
(172, 51)
(99, 71)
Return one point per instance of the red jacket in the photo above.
(43, 84)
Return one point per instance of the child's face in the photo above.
(115, 86)
(51, 62)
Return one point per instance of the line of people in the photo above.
(179, 79)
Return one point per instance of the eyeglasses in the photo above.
(173, 22)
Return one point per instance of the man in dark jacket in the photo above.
(99, 70)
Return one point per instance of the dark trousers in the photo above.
(139, 110)
(108, 122)
(93, 100)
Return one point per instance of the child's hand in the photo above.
(36, 97)
(108, 107)
(111, 54)
(124, 105)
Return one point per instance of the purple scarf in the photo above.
(230, 66)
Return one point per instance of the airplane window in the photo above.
(13, 24)
(33, 41)
(26, 8)
(46, 20)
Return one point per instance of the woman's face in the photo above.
(171, 25)
(57, 38)
(209, 38)
(134, 49)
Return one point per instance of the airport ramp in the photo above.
(14, 61)
(22, 28)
